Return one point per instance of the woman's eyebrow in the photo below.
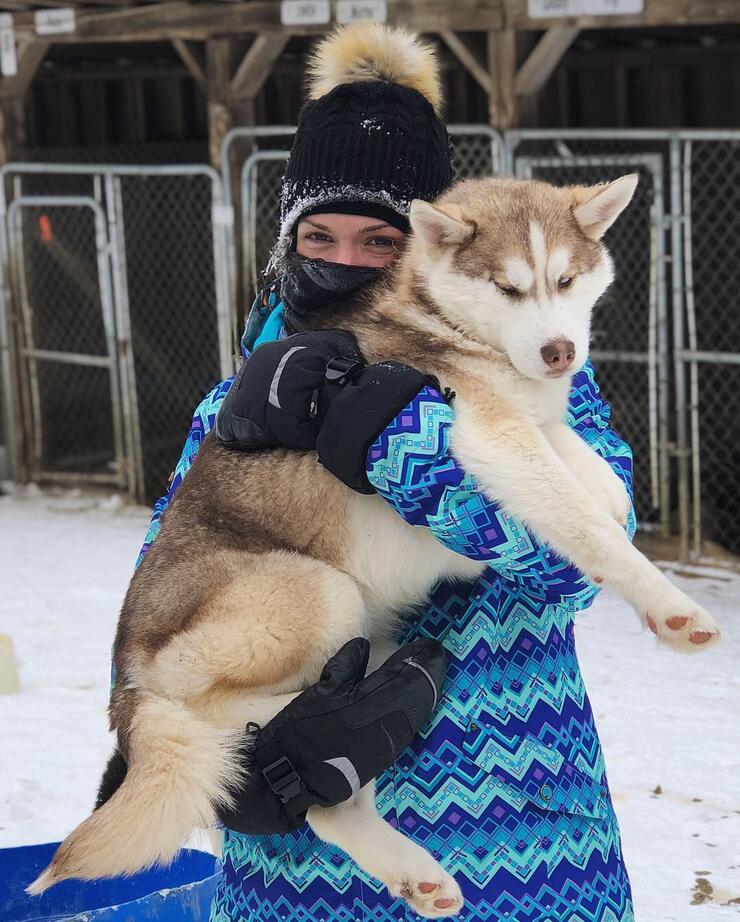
(322, 227)
(374, 227)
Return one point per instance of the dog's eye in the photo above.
(565, 281)
(509, 290)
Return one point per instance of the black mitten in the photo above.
(282, 392)
(315, 390)
(337, 735)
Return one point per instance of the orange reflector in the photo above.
(45, 231)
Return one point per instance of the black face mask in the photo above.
(310, 286)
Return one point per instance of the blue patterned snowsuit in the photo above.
(506, 785)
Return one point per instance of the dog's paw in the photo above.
(430, 892)
(682, 623)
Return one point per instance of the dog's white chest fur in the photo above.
(395, 563)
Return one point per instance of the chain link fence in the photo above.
(59, 270)
(185, 251)
(162, 257)
(710, 174)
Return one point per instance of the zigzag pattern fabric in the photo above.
(506, 785)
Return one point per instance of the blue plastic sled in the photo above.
(182, 891)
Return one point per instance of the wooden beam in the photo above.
(502, 65)
(30, 55)
(190, 58)
(466, 57)
(543, 59)
(199, 21)
(257, 64)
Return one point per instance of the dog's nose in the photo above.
(559, 355)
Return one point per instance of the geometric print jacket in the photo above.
(506, 785)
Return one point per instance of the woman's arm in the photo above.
(411, 466)
(201, 424)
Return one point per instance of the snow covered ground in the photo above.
(670, 724)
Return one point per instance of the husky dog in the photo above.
(265, 564)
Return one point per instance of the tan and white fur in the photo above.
(266, 564)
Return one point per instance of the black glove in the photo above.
(315, 390)
(337, 735)
(329, 741)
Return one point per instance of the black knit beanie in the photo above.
(370, 141)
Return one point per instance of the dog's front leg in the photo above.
(592, 472)
(516, 465)
(405, 868)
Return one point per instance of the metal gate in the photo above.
(165, 288)
(58, 252)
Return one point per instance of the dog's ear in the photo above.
(439, 225)
(596, 208)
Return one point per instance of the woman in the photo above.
(506, 784)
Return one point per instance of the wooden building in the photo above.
(102, 78)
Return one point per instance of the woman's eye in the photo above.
(565, 281)
(380, 242)
(318, 237)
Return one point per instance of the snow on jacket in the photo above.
(507, 784)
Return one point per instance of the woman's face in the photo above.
(349, 239)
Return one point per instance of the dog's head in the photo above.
(519, 265)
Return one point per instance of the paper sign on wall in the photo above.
(8, 58)
(50, 22)
(541, 9)
(305, 12)
(612, 7)
(352, 10)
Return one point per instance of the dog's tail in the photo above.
(180, 770)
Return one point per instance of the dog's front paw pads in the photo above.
(435, 899)
(688, 632)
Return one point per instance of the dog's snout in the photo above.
(559, 355)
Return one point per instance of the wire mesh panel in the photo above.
(476, 151)
(59, 261)
(627, 318)
(167, 226)
(170, 318)
(711, 175)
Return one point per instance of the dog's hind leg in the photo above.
(268, 627)
(405, 868)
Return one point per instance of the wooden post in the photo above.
(219, 55)
(12, 128)
(12, 95)
(502, 67)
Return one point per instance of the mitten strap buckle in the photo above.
(341, 369)
(283, 779)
